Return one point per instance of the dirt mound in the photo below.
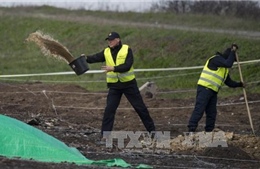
(226, 152)
(73, 115)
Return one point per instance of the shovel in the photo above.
(245, 96)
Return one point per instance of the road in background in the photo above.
(105, 5)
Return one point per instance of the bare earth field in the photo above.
(73, 115)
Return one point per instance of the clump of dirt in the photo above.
(226, 152)
(249, 143)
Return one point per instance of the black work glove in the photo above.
(242, 84)
(83, 55)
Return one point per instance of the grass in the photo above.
(153, 47)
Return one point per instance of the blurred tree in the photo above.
(245, 9)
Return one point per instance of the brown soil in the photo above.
(73, 115)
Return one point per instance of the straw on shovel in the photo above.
(245, 96)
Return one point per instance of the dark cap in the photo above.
(112, 36)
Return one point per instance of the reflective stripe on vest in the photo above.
(113, 77)
(213, 79)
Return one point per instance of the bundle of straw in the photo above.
(50, 46)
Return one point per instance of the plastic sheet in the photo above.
(20, 140)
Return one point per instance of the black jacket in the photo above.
(100, 57)
(221, 61)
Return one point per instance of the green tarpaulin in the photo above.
(24, 141)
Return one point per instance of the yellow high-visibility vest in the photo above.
(113, 77)
(213, 79)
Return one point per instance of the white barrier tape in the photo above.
(130, 108)
(249, 61)
(50, 74)
(59, 92)
(105, 92)
(101, 71)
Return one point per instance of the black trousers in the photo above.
(206, 101)
(133, 95)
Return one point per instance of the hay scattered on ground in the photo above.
(50, 46)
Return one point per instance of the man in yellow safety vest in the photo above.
(121, 80)
(214, 74)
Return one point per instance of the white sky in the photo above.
(118, 5)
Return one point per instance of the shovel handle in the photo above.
(239, 69)
(245, 96)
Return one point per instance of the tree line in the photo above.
(244, 9)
